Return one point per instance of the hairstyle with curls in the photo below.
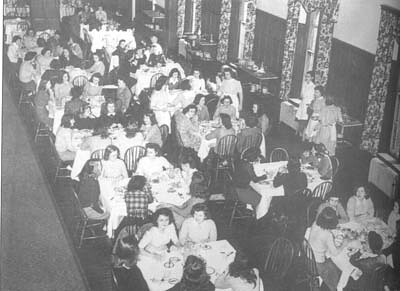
(240, 268)
(66, 120)
(187, 108)
(89, 169)
(16, 38)
(165, 212)
(311, 73)
(329, 100)
(226, 97)
(201, 207)
(225, 120)
(44, 50)
(375, 242)
(127, 251)
(198, 186)
(260, 109)
(188, 157)
(366, 189)
(198, 98)
(174, 70)
(110, 149)
(55, 64)
(327, 219)
(136, 183)
(160, 83)
(194, 274)
(62, 76)
(153, 146)
(151, 116)
(102, 130)
(251, 120)
(293, 165)
(320, 88)
(98, 76)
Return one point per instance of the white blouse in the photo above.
(194, 232)
(157, 238)
(149, 167)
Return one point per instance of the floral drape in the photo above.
(180, 18)
(388, 32)
(329, 12)
(197, 20)
(222, 51)
(250, 26)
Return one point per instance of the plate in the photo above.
(210, 270)
(171, 190)
(173, 281)
(264, 182)
(206, 247)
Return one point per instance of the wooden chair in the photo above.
(322, 190)
(80, 81)
(62, 167)
(225, 151)
(26, 97)
(98, 154)
(42, 130)
(22, 26)
(278, 154)
(164, 129)
(132, 156)
(335, 166)
(304, 192)
(278, 261)
(312, 209)
(251, 141)
(86, 225)
(154, 79)
(309, 267)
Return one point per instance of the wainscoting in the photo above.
(350, 76)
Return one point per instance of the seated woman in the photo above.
(194, 276)
(113, 167)
(156, 239)
(156, 56)
(138, 197)
(127, 273)
(137, 59)
(263, 121)
(360, 206)
(185, 97)
(224, 130)
(226, 107)
(98, 141)
(291, 178)
(188, 127)
(63, 143)
(244, 174)
(324, 164)
(199, 228)
(28, 73)
(97, 67)
(232, 87)
(93, 87)
(89, 190)
(322, 243)
(85, 118)
(152, 164)
(250, 131)
(68, 59)
(202, 110)
(74, 106)
(240, 276)
(394, 216)
(151, 131)
(159, 102)
(189, 163)
(123, 93)
(62, 88)
(197, 82)
(42, 98)
(198, 192)
(111, 116)
(44, 60)
(333, 202)
(53, 72)
(131, 138)
(174, 79)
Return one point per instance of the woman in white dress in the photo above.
(159, 102)
(232, 87)
(306, 96)
(316, 106)
(197, 82)
(152, 164)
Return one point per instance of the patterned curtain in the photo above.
(250, 26)
(388, 32)
(289, 48)
(180, 18)
(222, 52)
(197, 21)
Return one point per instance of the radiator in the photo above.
(383, 177)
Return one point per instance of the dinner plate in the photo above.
(173, 281)
(210, 270)
(264, 182)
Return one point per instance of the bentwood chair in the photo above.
(278, 262)
(225, 151)
(309, 267)
(98, 154)
(303, 192)
(154, 79)
(80, 81)
(322, 190)
(132, 157)
(63, 170)
(312, 210)
(278, 154)
(251, 141)
(22, 26)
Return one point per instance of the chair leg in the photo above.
(82, 234)
(232, 215)
(57, 171)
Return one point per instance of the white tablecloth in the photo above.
(159, 278)
(267, 190)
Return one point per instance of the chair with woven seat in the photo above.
(98, 154)
(80, 81)
(86, 225)
(132, 157)
(278, 154)
(154, 79)
(278, 261)
(335, 166)
(250, 141)
(225, 151)
(322, 190)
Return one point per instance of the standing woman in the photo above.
(315, 109)
(42, 99)
(306, 96)
(123, 93)
(232, 87)
(263, 120)
(197, 82)
(329, 116)
(63, 88)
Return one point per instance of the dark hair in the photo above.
(120, 41)
(198, 186)
(187, 108)
(160, 83)
(102, 130)
(251, 120)
(226, 120)
(98, 76)
(136, 183)
(76, 92)
(44, 50)
(152, 117)
(375, 242)
(260, 109)
(66, 120)
(41, 42)
(165, 212)
(109, 101)
(197, 69)
(201, 207)
(327, 219)
(98, 55)
(62, 73)
(194, 274)
(174, 70)
(320, 88)
(240, 268)
(320, 148)
(311, 73)
(123, 79)
(293, 165)
(332, 194)
(127, 251)
(88, 169)
(153, 146)
(198, 98)
(29, 56)
(366, 189)
(131, 129)
(110, 149)
(226, 97)
(16, 38)
(42, 84)
(226, 70)
(185, 85)
(251, 154)
(329, 100)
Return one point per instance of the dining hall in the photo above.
(200, 145)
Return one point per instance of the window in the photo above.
(242, 29)
(311, 41)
